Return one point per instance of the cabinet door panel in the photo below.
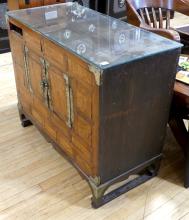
(60, 125)
(79, 71)
(19, 73)
(33, 41)
(81, 148)
(65, 144)
(82, 100)
(39, 111)
(59, 60)
(83, 129)
(17, 47)
(59, 93)
(35, 70)
(83, 165)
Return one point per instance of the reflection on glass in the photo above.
(96, 38)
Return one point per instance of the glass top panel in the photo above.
(94, 37)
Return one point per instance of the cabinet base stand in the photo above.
(144, 172)
(100, 198)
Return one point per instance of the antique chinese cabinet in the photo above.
(98, 88)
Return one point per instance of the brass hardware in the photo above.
(46, 91)
(47, 78)
(27, 80)
(95, 180)
(97, 74)
(69, 121)
(45, 87)
(42, 61)
(71, 106)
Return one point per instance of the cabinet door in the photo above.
(82, 90)
(17, 49)
(85, 115)
(36, 69)
(59, 93)
(20, 71)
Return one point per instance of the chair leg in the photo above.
(186, 181)
(179, 130)
(182, 136)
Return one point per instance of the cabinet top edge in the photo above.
(97, 39)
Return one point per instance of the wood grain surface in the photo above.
(37, 183)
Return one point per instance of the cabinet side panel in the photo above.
(135, 103)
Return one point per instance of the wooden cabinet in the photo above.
(100, 104)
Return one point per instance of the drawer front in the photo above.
(83, 129)
(83, 165)
(65, 144)
(80, 71)
(55, 55)
(60, 125)
(39, 112)
(33, 41)
(82, 100)
(81, 148)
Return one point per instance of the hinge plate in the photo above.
(95, 180)
(97, 74)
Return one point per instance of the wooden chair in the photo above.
(155, 16)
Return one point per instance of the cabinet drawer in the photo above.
(60, 125)
(65, 144)
(39, 111)
(32, 41)
(55, 55)
(82, 97)
(81, 148)
(50, 129)
(83, 129)
(80, 71)
(83, 165)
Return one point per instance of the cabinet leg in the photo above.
(99, 197)
(25, 122)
